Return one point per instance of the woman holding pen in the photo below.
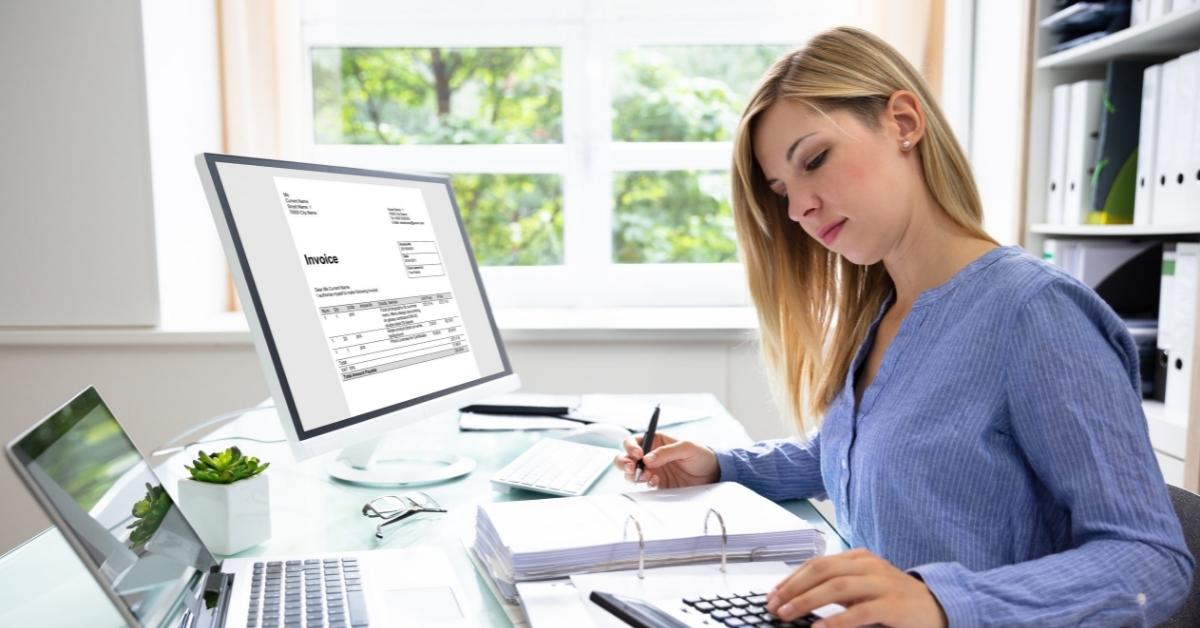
(974, 413)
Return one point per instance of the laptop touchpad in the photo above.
(425, 604)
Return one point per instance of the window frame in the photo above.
(589, 35)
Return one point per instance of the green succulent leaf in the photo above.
(225, 467)
(148, 514)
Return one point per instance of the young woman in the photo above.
(980, 425)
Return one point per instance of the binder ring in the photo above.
(724, 537)
(641, 545)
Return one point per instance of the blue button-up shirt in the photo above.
(1001, 453)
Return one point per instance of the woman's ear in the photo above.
(905, 118)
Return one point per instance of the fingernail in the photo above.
(784, 610)
(650, 457)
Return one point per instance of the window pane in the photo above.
(512, 219)
(674, 216)
(685, 93)
(437, 95)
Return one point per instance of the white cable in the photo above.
(166, 448)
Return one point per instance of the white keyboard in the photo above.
(557, 467)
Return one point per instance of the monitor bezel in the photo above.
(356, 428)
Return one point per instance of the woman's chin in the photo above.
(859, 257)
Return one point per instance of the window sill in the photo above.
(711, 324)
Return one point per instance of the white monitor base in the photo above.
(358, 465)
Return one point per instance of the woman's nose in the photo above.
(800, 207)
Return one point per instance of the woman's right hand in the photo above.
(671, 463)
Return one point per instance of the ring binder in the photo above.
(642, 545)
(724, 537)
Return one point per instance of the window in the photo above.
(588, 142)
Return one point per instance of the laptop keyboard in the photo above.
(304, 593)
(741, 609)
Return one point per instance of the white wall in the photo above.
(159, 390)
(75, 166)
(999, 101)
(184, 118)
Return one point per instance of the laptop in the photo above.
(85, 471)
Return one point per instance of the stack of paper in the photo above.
(553, 538)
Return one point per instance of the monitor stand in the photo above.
(358, 464)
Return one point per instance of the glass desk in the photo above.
(42, 582)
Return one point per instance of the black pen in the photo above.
(647, 442)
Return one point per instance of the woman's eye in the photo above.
(817, 161)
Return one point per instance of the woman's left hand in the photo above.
(872, 590)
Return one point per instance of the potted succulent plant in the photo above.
(227, 500)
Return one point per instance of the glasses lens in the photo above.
(387, 506)
(422, 500)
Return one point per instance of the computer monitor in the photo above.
(364, 300)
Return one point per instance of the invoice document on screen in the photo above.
(379, 286)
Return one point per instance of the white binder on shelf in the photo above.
(1055, 193)
(1182, 317)
(1176, 120)
(1143, 203)
(1052, 251)
(1165, 298)
(1164, 212)
(1159, 8)
(1190, 191)
(1083, 139)
(1183, 115)
(1140, 12)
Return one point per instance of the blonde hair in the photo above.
(815, 307)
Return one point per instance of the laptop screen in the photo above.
(124, 524)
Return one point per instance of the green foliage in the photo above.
(437, 95)
(148, 514)
(674, 216)
(512, 219)
(227, 467)
(684, 93)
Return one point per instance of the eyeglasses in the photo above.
(396, 508)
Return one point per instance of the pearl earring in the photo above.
(905, 145)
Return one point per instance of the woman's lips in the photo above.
(831, 233)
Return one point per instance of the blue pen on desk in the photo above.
(647, 442)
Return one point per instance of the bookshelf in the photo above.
(1176, 444)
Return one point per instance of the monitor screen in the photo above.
(364, 286)
(113, 506)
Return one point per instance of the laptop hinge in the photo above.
(209, 608)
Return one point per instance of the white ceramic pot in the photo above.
(228, 517)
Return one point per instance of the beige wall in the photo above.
(161, 389)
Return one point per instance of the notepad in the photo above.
(546, 539)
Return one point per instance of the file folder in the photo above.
(1140, 12)
(1052, 251)
(1164, 212)
(1083, 136)
(1114, 182)
(547, 539)
(1059, 112)
(1143, 202)
(1158, 8)
(1183, 120)
(1182, 315)
(1165, 298)
(1172, 205)
(1190, 189)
